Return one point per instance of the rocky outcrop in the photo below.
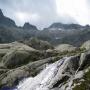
(5, 48)
(38, 44)
(21, 61)
(15, 58)
(86, 45)
(12, 77)
(20, 54)
(61, 75)
(65, 47)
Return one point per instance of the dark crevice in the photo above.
(61, 81)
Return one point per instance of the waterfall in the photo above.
(48, 78)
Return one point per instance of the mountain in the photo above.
(9, 31)
(65, 26)
(59, 33)
(1, 14)
(56, 33)
(5, 21)
(29, 26)
(61, 26)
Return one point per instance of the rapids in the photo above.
(51, 77)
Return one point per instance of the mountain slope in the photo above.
(56, 33)
(10, 32)
(5, 21)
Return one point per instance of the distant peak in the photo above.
(5, 21)
(27, 25)
(65, 26)
(1, 13)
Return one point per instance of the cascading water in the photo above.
(48, 78)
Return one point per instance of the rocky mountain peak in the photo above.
(5, 21)
(65, 26)
(27, 25)
(1, 13)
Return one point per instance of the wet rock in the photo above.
(84, 60)
(12, 77)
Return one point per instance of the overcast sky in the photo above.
(43, 13)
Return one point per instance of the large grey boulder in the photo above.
(12, 77)
(65, 47)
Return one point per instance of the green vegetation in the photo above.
(72, 53)
(85, 85)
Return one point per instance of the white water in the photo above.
(47, 78)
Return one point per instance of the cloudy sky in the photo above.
(42, 13)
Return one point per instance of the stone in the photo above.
(65, 47)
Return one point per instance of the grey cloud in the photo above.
(46, 9)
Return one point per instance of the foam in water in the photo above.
(44, 80)
(48, 79)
